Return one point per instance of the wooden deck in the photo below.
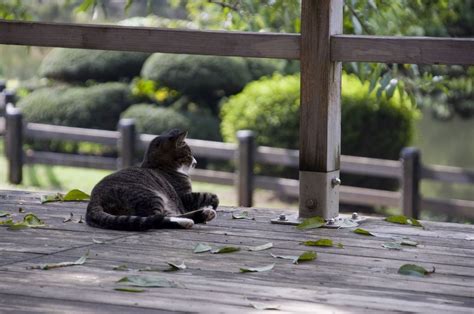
(361, 277)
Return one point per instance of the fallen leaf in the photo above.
(175, 267)
(76, 195)
(311, 223)
(97, 241)
(320, 242)
(122, 267)
(29, 221)
(7, 222)
(242, 215)
(225, 249)
(201, 248)
(409, 243)
(4, 213)
(148, 268)
(261, 306)
(469, 238)
(80, 261)
(261, 247)
(151, 282)
(32, 221)
(290, 257)
(305, 257)
(129, 289)
(392, 246)
(414, 270)
(256, 269)
(57, 197)
(363, 231)
(340, 245)
(69, 218)
(403, 220)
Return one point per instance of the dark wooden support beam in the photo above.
(320, 120)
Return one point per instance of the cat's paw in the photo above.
(214, 200)
(184, 223)
(208, 214)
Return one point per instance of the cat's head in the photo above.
(169, 150)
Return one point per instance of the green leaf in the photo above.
(305, 257)
(201, 248)
(32, 221)
(76, 195)
(57, 197)
(256, 269)
(392, 246)
(320, 242)
(175, 267)
(340, 245)
(261, 247)
(225, 249)
(80, 261)
(4, 213)
(403, 220)
(151, 282)
(129, 289)
(363, 231)
(242, 215)
(409, 242)
(311, 223)
(128, 4)
(262, 307)
(122, 267)
(414, 270)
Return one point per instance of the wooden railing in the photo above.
(321, 47)
(409, 170)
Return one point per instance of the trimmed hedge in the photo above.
(155, 120)
(80, 65)
(98, 106)
(371, 127)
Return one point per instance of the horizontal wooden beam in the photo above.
(451, 207)
(56, 159)
(413, 50)
(147, 39)
(447, 174)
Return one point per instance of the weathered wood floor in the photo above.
(361, 277)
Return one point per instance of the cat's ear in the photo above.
(180, 137)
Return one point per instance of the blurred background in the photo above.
(385, 107)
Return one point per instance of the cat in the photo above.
(156, 194)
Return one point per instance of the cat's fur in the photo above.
(157, 194)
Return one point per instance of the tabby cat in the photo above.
(156, 194)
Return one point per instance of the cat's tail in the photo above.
(97, 217)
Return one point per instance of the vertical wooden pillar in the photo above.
(320, 115)
(127, 143)
(411, 166)
(245, 164)
(14, 137)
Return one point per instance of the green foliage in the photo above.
(155, 120)
(97, 107)
(80, 65)
(202, 78)
(370, 127)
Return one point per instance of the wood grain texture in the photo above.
(360, 278)
(415, 50)
(147, 39)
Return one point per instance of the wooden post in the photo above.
(245, 165)
(126, 143)
(320, 114)
(14, 136)
(410, 157)
(3, 85)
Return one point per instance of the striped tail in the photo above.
(97, 217)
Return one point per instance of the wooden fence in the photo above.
(321, 47)
(409, 170)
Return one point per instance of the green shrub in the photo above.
(155, 120)
(201, 77)
(79, 65)
(98, 106)
(370, 127)
(264, 67)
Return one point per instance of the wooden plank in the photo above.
(47, 158)
(415, 50)
(149, 39)
(452, 207)
(320, 111)
(57, 132)
(212, 176)
(371, 166)
(447, 174)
